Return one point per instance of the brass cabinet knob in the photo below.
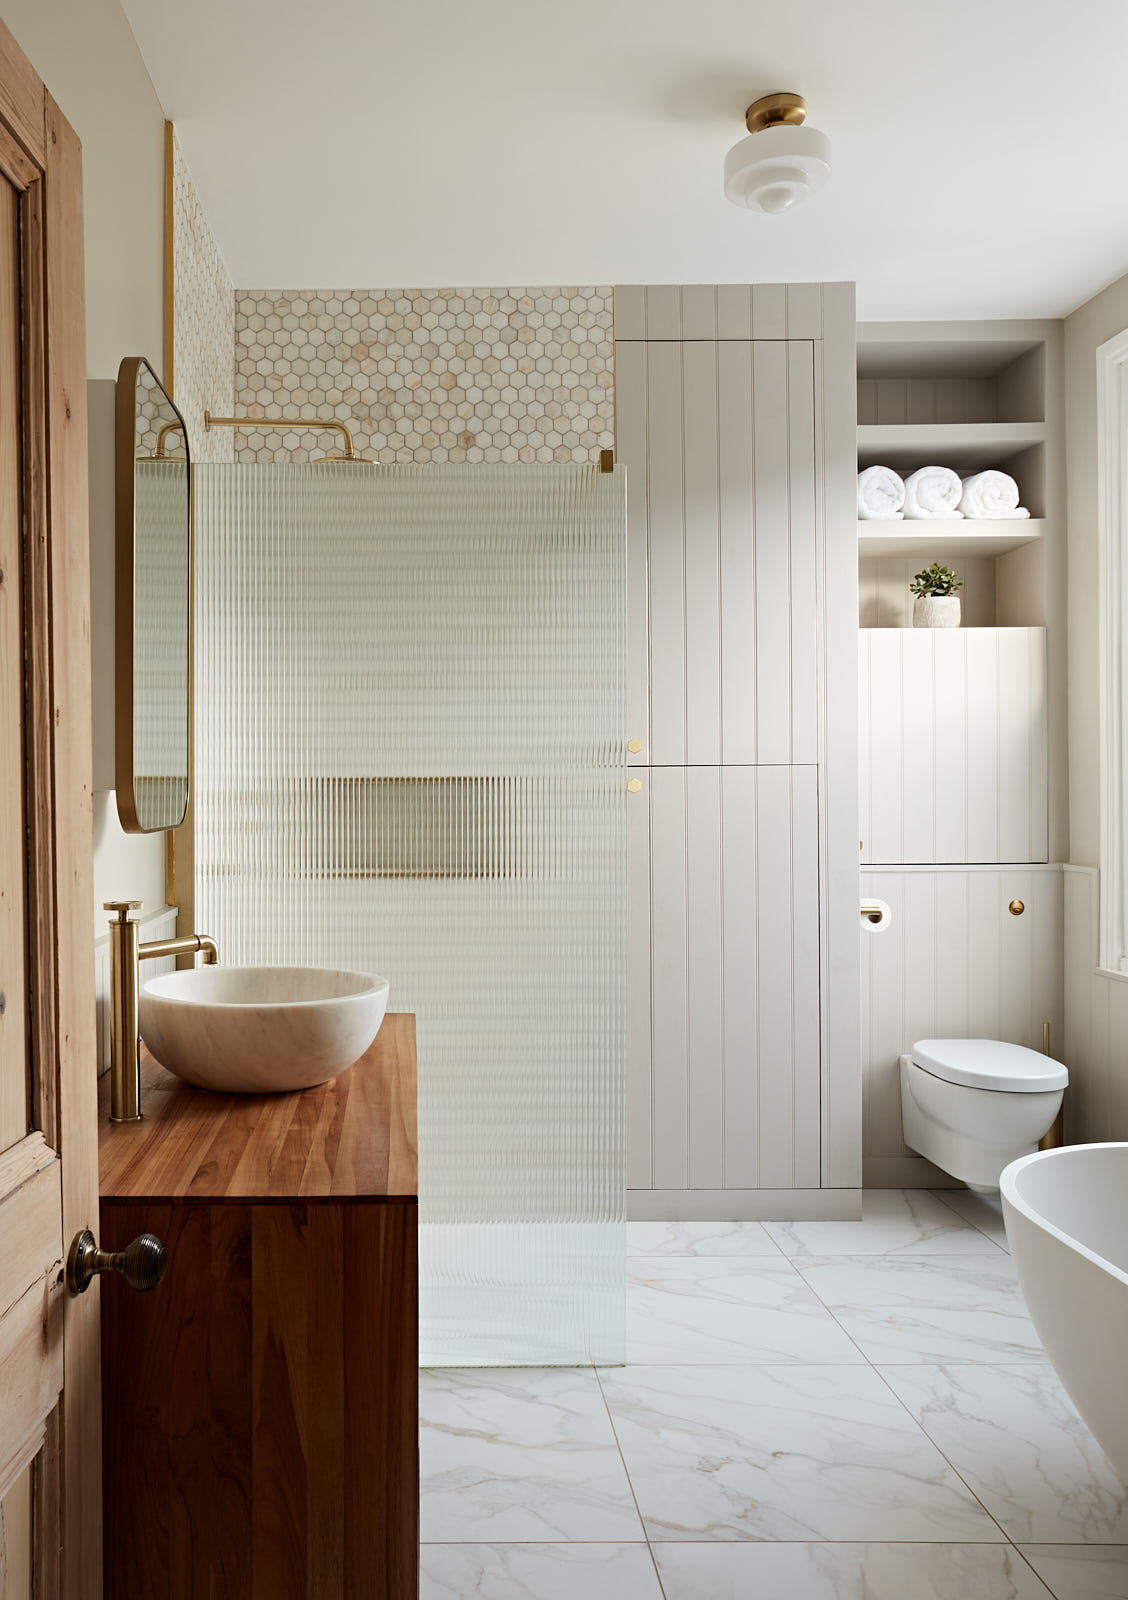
(141, 1263)
(634, 746)
(1016, 908)
(634, 786)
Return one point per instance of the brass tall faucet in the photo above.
(126, 955)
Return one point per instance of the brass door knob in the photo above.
(141, 1263)
(1016, 908)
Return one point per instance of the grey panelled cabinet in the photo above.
(729, 1097)
(723, 543)
(743, 836)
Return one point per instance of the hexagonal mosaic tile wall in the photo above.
(203, 324)
(518, 374)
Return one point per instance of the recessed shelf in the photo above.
(960, 538)
(966, 446)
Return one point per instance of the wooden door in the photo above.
(732, 1100)
(49, 1355)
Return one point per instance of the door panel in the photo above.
(719, 441)
(14, 1075)
(953, 745)
(734, 1098)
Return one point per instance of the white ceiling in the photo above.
(980, 146)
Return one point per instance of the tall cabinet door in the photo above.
(732, 1098)
(719, 439)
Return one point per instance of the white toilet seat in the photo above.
(990, 1064)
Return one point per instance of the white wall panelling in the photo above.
(953, 745)
(729, 310)
(720, 440)
(954, 962)
(733, 980)
(735, 417)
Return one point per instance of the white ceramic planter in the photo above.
(936, 611)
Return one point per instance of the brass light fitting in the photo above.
(781, 160)
(293, 425)
(774, 111)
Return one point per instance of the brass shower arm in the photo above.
(162, 434)
(291, 425)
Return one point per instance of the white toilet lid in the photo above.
(990, 1064)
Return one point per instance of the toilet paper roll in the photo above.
(883, 921)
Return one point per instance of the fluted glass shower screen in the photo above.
(410, 760)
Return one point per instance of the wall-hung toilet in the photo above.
(971, 1106)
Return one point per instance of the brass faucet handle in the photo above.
(122, 907)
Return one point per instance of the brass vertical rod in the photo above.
(1056, 1135)
(125, 1059)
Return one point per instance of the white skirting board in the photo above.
(744, 1205)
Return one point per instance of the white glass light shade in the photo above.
(772, 170)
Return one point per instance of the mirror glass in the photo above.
(154, 542)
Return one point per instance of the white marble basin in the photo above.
(261, 1030)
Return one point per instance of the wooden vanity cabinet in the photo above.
(260, 1405)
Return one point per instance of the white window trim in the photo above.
(1112, 482)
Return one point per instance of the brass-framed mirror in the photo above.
(153, 591)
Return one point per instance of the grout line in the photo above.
(630, 1481)
(940, 1195)
(939, 1451)
(1038, 1578)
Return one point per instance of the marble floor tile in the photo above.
(517, 1455)
(894, 1221)
(846, 1572)
(1013, 1435)
(773, 1452)
(537, 1572)
(699, 1239)
(693, 1309)
(1081, 1572)
(928, 1308)
(983, 1211)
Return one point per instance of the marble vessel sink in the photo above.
(261, 1030)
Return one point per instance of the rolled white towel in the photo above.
(933, 492)
(991, 494)
(881, 494)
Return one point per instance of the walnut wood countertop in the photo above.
(352, 1138)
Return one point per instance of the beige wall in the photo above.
(87, 56)
(89, 60)
(1096, 1002)
(1089, 326)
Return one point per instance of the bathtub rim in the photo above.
(1007, 1190)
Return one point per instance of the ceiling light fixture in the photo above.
(781, 162)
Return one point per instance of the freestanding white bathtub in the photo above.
(1066, 1213)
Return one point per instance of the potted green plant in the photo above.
(937, 605)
